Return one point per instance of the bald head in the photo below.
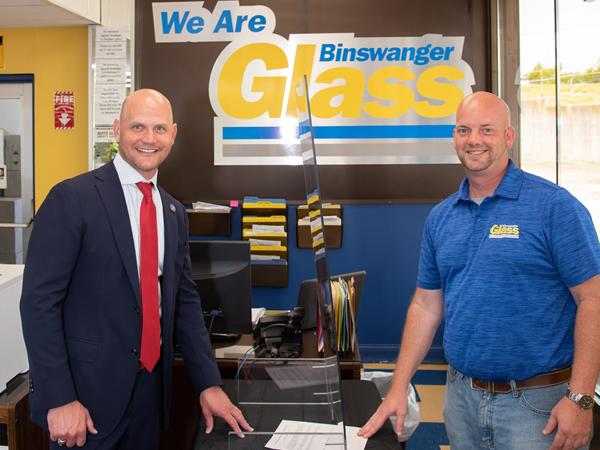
(485, 101)
(145, 97)
(145, 130)
(483, 137)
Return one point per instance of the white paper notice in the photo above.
(103, 133)
(111, 43)
(295, 435)
(111, 71)
(108, 100)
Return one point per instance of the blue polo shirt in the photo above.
(505, 268)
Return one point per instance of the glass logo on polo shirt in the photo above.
(501, 231)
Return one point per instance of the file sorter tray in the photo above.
(209, 223)
(270, 273)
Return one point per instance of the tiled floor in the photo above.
(429, 382)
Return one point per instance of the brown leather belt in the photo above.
(539, 381)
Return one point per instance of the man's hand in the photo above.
(70, 423)
(574, 425)
(395, 403)
(214, 402)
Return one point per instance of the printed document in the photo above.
(295, 435)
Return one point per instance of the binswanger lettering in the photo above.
(417, 55)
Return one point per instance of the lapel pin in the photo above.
(172, 207)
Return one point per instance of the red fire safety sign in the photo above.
(64, 110)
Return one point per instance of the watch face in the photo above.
(586, 402)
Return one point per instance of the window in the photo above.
(560, 112)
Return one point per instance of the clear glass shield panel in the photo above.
(291, 403)
(291, 382)
(326, 329)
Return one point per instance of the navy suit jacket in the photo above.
(80, 305)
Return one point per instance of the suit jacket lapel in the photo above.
(171, 244)
(111, 193)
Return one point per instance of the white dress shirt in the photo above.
(128, 177)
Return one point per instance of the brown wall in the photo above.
(182, 72)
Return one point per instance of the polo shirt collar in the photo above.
(127, 174)
(509, 187)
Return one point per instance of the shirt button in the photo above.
(134, 351)
(137, 310)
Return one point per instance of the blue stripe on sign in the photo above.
(347, 132)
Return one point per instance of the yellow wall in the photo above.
(58, 58)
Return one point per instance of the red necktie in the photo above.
(149, 279)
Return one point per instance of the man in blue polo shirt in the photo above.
(511, 262)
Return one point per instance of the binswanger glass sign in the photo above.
(375, 100)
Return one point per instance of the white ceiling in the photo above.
(37, 13)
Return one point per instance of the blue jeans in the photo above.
(514, 421)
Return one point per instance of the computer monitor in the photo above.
(222, 273)
(307, 296)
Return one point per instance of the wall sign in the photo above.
(64, 110)
(372, 98)
(382, 96)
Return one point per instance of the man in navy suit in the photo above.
(82, 310)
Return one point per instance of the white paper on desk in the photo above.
(296, 435)
(233, 351)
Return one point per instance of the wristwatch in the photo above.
(584, 401)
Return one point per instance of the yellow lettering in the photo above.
(229, 89)
(449, 94)
(303, 65)
(351, 93)
(400, 98)
(503, 229)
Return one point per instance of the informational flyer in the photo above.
(111, 71)
(107, 102)
(111, 43)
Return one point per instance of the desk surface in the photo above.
(361, 399)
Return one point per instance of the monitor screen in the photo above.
(222, 273)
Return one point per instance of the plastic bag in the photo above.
(383, 382)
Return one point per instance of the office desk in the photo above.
(14, 413)
(349, 365)
(361, 399)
